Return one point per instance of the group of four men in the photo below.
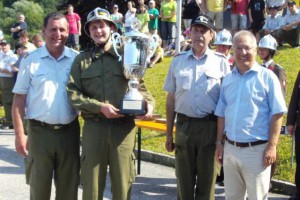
(250, 110)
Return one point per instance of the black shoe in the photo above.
(220, 183)
(295, 197)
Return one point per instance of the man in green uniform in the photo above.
(96, 87)
(53, 128)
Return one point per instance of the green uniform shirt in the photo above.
(100, 80)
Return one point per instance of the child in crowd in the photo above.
(158, 54)
(187, 43)
(143, 17)
(153, 14)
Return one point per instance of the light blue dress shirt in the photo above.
(196, 82)
(43, 79)
(6, 60)
(289, 18)
(248, 103)
(273, 23)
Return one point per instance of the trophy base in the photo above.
(133, 107)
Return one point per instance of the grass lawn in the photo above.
(155, 77)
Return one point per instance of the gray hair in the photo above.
(244, 33)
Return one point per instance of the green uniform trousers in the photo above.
(107, 143)
(195, 164)
(7, 85)
(53, 154)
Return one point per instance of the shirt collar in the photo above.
(111, 51)
(45, 53)
(190, 53)
(255, 68)
(268, 63)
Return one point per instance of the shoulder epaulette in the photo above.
(180, 53)
(26, 54)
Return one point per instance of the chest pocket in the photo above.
(183, 81)
(91, 81)
(210, 83)
(120, 83)
(40, 76)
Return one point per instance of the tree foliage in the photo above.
(34, 11)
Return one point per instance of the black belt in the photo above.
(183, 117)
(245, 144)
(53, 126)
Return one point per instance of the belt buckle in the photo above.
(234, 143)
(57, 127)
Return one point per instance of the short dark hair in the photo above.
(24, 33)
(54, 15)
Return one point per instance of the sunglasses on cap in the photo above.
(98, 13)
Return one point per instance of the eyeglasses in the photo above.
(247, 49)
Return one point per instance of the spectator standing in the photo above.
(18, 27)
(108, 137)
(143, 17)
(293, 128)
(214, 10)
(74, 28)
(289, 31)
(7, 58)
(1, 35)
(153, 14)
(37, 40)
(130, 16)
(52, 145)
(117, 18)
(272, 24)
(168, 11)
(21, 51)
(239, 15)
(193, 84)
(250, 111)
(191, 10)
(141, 3)
(24, 39)
(256, 12)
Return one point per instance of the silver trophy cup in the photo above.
(137, 49)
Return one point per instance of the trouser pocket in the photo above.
(28, 169)
(132, 167)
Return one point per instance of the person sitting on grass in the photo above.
(272, 24)
(158, 55)
(289, 31)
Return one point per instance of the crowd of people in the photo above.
(227, 107)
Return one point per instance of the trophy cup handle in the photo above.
(116, 40)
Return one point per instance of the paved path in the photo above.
(156, 182)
